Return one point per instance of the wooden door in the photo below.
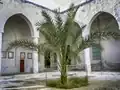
(22, 58)
(21, 65)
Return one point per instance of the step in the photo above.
(25, 87)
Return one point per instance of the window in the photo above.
(29, 55)
(22, 55)
(4, 54)
(96, 53)
(10, 55)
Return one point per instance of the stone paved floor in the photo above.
(93, 85)
(28, 81)
(111, 85)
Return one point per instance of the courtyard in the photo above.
(61, 44)
(38, 81)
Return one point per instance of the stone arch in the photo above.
(98, 14)
(80, 59)
(17, 27)
(110, 55)
(23, 17)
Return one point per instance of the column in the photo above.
(42, 62)
(87, 61)
(35, 58)
(0, 53)
(87, 53)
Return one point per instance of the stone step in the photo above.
(40, 87)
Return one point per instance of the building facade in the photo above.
(18, 19)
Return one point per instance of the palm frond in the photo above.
(69, 24)
(96, 36)
(93, 39)
(23, 43)
(104, 35)
(49, 29)
(48, 24)
(76, 33)
(72, 12)
(59, 21)
(47, 17)
(51, 38)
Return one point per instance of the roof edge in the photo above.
(38, 5)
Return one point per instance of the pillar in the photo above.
(87, 61)
(0, 53)
(42, 62)
(87, 51)
(35, 57)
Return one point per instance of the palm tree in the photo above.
(63, 37)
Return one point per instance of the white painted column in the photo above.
(35, 58)
(0, 53)
(87, 51)
(87, 61)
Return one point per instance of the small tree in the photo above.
(65, 37)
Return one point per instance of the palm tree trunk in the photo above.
(63, 69)
(64, 74)
(39, 60)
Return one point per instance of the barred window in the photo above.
(96, 53)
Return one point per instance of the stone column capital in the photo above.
(35, 39)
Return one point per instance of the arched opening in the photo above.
(16, 27)
(75, 63)
(50, 62)
(47, 59)
(108, 59)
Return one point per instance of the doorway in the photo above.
(47, 59)
(22, 59)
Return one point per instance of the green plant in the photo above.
(52, 83)
(65, 38)
(71, 83)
